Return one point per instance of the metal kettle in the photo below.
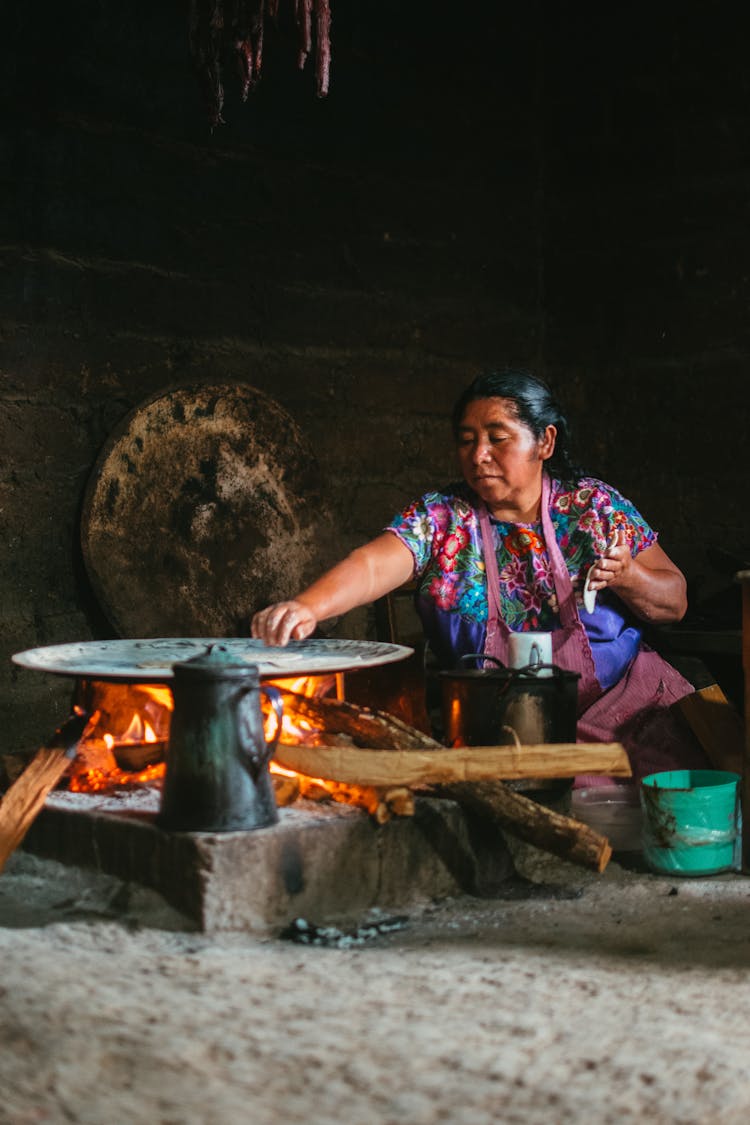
(217, 777)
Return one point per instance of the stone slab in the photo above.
(328, 863)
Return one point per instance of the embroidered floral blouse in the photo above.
(442, 532)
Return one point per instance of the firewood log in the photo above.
(532, 822)
(400, 801)
(23, 801)
(286, 788)
(352, 765)
(365, 727)
(380, 803)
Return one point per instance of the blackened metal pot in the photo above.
(500, 706)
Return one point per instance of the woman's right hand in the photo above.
(283, 622)
(364, 575)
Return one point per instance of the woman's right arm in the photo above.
(368, 573)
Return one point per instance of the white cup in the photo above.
(526, 649)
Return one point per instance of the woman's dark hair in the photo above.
(535, 406)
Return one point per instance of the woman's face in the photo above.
(501, 460)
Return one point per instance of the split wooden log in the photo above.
(406, 767)
(532, 822)
(23, 801)
(286, 788)
(381, 782)
(364, 726)
(399, 801)
(381, 804)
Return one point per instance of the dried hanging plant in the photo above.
(224, 29)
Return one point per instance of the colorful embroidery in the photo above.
(442, 532)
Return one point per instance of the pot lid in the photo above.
(205, 505)
(150, 660)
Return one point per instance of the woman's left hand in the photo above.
(649, 584)
(613, 566)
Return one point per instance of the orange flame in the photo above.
(96, 769)
(139, 730)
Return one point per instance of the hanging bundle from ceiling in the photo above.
(230, 32)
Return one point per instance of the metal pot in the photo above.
(499, 706)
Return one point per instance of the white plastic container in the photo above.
(613, 810)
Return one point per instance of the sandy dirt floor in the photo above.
(576, 998)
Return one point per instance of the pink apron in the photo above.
(637, 709)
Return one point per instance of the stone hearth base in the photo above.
(323, 862)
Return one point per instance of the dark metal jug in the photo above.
(217, 777)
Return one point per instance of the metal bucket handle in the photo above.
(529, 670)
(480, 656)
(514, 672)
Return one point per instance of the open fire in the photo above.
(128, 743)
(125, 747)
(128, 740)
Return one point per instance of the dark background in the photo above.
(562, 186)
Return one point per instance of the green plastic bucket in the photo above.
(691, 822)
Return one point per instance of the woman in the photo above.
(511, 548)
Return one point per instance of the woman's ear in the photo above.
(547, 443)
